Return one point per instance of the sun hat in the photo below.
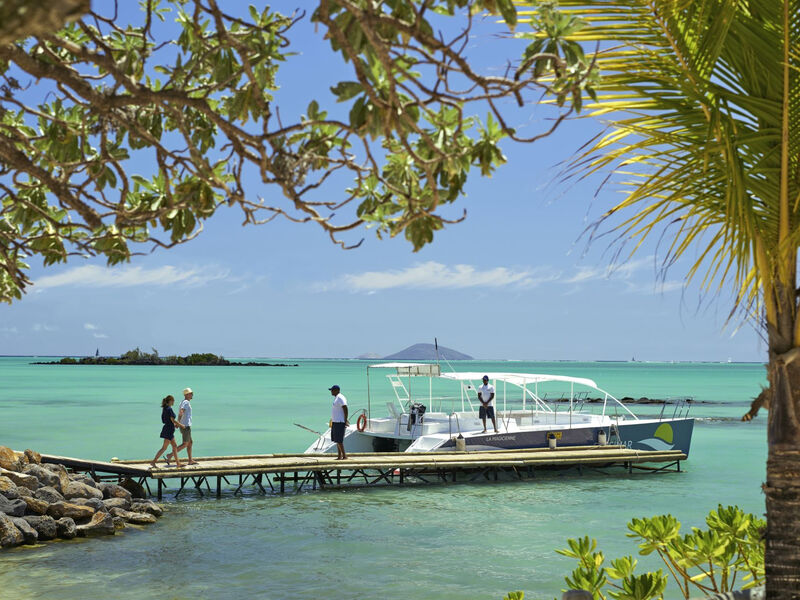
(187, 391)
(334, 387)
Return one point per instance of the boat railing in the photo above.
(432, 403)
(450, 423)
(682, 406)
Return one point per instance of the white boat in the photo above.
(532, 411)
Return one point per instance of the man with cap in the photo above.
(486, 398)
(185, 419)
(338, 420)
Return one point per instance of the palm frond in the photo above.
(704, 131)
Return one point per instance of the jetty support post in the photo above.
(160, 488)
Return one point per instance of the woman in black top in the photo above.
(168, 431)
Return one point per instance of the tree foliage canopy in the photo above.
(80, 104)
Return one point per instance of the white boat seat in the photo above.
(392, 409)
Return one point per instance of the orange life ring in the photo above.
(361, 423)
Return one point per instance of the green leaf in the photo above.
(344, 90)
(508, 12)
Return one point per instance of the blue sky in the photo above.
(514, 280)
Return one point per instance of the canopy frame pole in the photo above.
(571, 394)
(369, 404)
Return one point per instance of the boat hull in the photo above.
(668, 434)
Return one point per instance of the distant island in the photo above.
(427, 352)
(137, 357)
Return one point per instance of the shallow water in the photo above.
(451, 541)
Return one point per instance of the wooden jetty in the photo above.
(303, 471)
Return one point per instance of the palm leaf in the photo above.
(702, 103)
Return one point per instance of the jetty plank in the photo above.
(282, 463)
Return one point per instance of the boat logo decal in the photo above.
(664, 432)
(662, 439)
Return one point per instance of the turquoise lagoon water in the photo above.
(457, 541)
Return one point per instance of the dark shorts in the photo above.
(337, 432)
(168, 433)
(186, 435)
(486, 411)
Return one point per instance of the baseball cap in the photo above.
(334, 387)
(486, 378)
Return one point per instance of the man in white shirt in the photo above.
(339, 421)
(486, 398)
(185, 419)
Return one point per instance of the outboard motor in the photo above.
(417, 410)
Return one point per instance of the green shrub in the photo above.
(729, 553)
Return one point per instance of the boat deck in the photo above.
(367, 469)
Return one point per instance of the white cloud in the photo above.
(623, 273)
(96, 276)
(100, 335)
(654, 287)
(6, 329)
(434, 275)
(89, 326)
(624, 270)
(39, 327)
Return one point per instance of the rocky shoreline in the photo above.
(40, 502)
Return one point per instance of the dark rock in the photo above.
(73, 511)
(101, 524)
(133, 517)
(147, 506)
(9, 534)
(35, 506)
(12, 508)
(112, 490)
(84, 479)
(119, 522)
(66, 528)
(30, 535)
(136, 489)
(6, 485)
(49, 495)
(13, 493)
(45, 476)
(122, 503)
(45, 526)
(24, 492)
(9, 459)
(21, 479)
(90, 502)
(33, 457)
(61, 473)
(76, 489)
